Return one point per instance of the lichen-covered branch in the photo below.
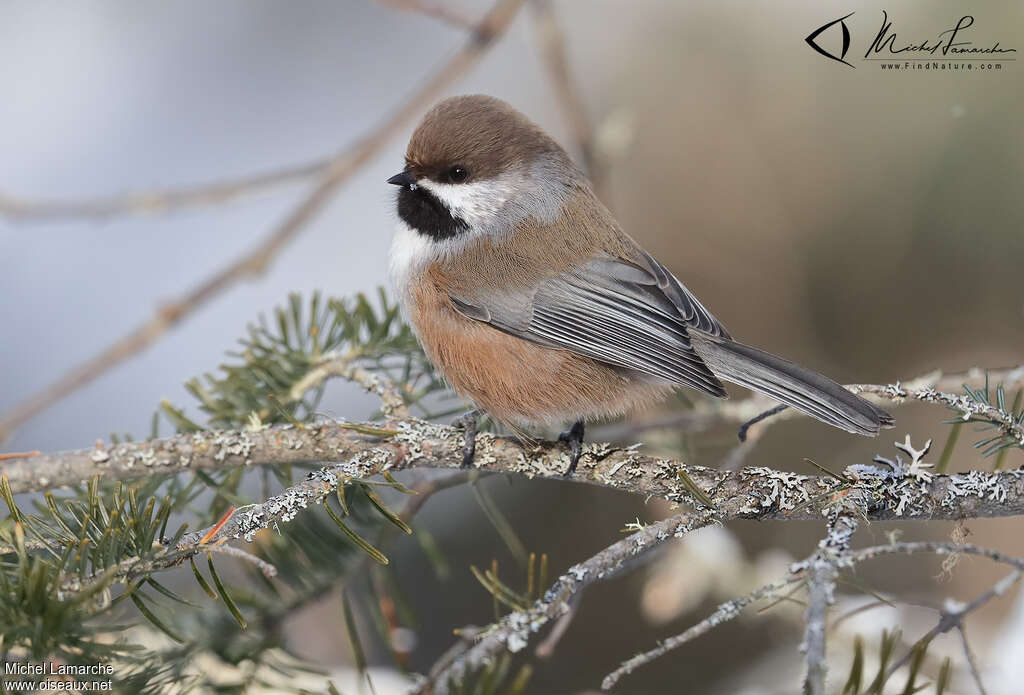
(707, 415)
(344, 366)
(1010, 425)
(835, 553)
(362, 450)
(882, 489)
(822, 570)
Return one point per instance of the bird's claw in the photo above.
(574, 438)
(468, 423)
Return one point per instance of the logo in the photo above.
(811, 39)
(954, 48)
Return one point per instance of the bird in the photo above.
(533, 303)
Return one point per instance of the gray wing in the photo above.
(629, 315)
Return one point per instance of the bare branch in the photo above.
(154, 202)
(821, 581)
(552, 42)
(513, 632)
(438, 10)
(971, 662)
(952, 616)
(724, 613)
(341, 168)
(161, 201)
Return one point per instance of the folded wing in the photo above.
(634, 316)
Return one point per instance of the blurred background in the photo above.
(866, 223)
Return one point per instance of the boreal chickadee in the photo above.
(534, 304)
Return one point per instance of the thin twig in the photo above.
(154, 202)
(213, 539)
(798, 572)
(513, 632)
(709, 414)
(967, 407)
(552, 43)
(218, 192)
(547, 646)
(934, 547)
(971, 662)
(950, 618)
(393, 405)
(431, 8)
(265, 567)
(254, 262)
(19, 455)
(723, 613)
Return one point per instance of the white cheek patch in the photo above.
(477, 202)
(488, 207)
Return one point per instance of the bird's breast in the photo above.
(518, 382)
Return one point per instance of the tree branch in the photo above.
(513, 631)
(968, 408)
(358, 451)
(822, 570)
(152, 202)
(552, 44)
(707, 415)
(392, 403)
(361, 450)
(722, 614)
(159, 201)
(805, 571)
(432, 8)
(952, 617)
(254, 262)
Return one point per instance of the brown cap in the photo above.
(480, 133)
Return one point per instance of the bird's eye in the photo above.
(456, 174)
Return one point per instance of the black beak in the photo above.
(403, 179)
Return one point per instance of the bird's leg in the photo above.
(574, 438)
(467, 423)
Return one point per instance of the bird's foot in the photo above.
(468, 424)
(574, 438)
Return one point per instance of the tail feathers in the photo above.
(800, 388)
